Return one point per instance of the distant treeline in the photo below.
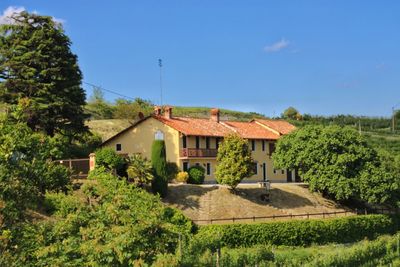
(367, 123)
(99, 108)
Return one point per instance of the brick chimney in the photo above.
(157, 110)
(215, 114)
(140, 115)
(167, 112)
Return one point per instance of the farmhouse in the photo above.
(194, 141)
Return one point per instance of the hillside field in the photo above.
(205, 202)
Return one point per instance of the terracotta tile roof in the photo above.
(192, 126)
(208, 127)
(283, 127)
(251, 130)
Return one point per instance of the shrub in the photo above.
(61, 204)
(255, 256)
(172, 170)
(295, 233)
(182, 177)
(196, 174)
(140, 170)
(159, 162)
(106, 157)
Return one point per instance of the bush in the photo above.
(246, 256)
(172, 170)
(196, 174)
(106, 157)
(182, 177)
(295, 233)
(159, 162)
(61, 204)
(379, 252)
(140, 170)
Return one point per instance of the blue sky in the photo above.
(322, 57)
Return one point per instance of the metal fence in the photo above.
(322, 215)
(79, 167)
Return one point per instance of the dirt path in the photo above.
(205, 202)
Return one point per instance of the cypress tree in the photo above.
(159, 163)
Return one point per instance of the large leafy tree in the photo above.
(291, 113)
(36, 63)
(234, 161)
(338, 162)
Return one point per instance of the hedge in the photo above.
(295, 233)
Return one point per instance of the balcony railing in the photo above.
(198, 153)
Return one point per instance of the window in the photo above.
(207, 142)
(208, 168)
(184, 145)
(118, 147)
(185, 166)
(274, 171)
(197, 164)
(217, 142)
(271, 148)
(253, 145)
(255, 168)
(197, 142)
(283, 171)
(263, 145)
(159, 135)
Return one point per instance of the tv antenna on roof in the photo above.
(161, 94)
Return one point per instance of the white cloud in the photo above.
(5, 18)
(275, 47)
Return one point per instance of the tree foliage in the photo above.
(36, 63)
(159, 163)
(109, 159)
(127, 109)
(234, 162)
(26, 170)
(291, 113)
(338, 162)
(98, 107)
(113, 224)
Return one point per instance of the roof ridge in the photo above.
(227, 126)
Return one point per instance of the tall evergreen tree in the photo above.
(36, 63)
(159, 162)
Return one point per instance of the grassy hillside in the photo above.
(225, 114)
(108, 128)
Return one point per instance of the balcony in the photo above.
(198, 153)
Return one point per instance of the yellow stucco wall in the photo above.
(139, 139)
(260, 157)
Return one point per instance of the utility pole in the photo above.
(161, 92)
